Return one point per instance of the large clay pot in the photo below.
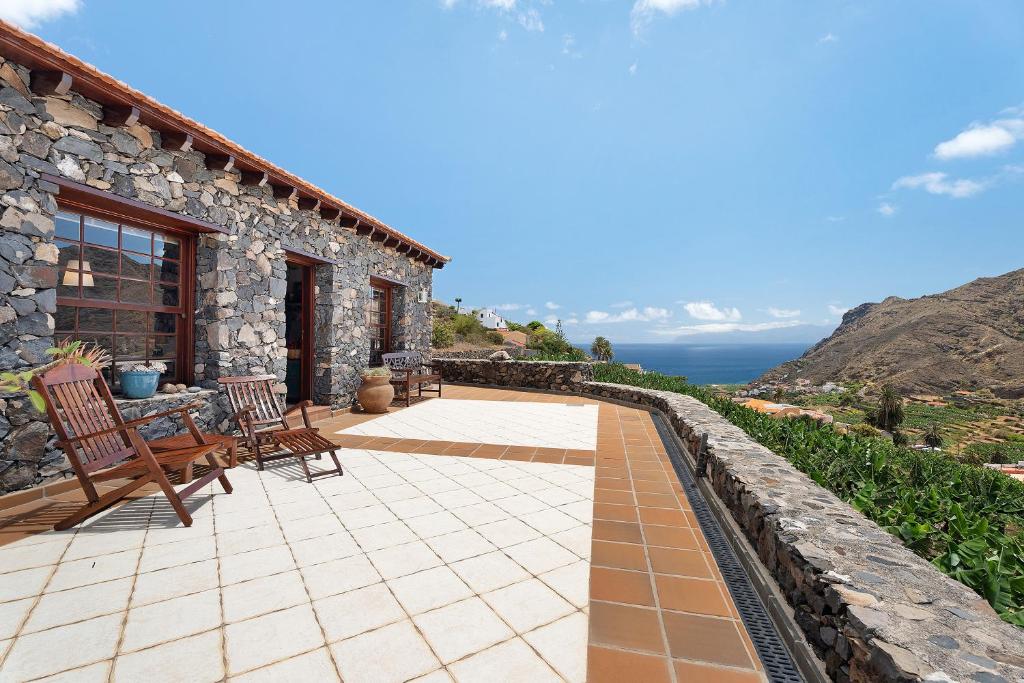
(375, 394)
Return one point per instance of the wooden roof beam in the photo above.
(403, 248)
(50, 82)
(220, 162)
(178, 142)
(391, 241)
(254, 178)
(348, 221)
(329, 213)
(364, 229)
(116, 115)
(309, 203)
(378, 235)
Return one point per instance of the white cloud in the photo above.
(622, 304)
(828, 38)
(835, 219)
(569, 46)
(783, 312)
(647, 314)
(529, 19)
(531, 311)
(886, 209)
(632, 69)
(940, 183)
(551, 320)
(837, 310)
(571, 321)
(551, 306)
(503, 35)
(711, 328)
(644, 10)
(981, 140)
(705, 310)
(30, 13)
(510, 307)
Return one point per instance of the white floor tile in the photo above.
(480, 514)
(510, 661)
(24, 583)
(460, 545)
(244, 540)
(58, 649)
(267, 594)
(489, 572)
(400, 560)
(577, 540)
(93, 542)
(527, 605)
(414, 507)
(173, 554)
(94, 570)
(175, 582)
(12, 615)
(572, 582)
(507, 532)
(429, 589)
(255, 563)
(550, 521)
(93, 673)
(197, 659)
(563, 644)
(162, 622)
(435, 524)
(362, 517)
(296, 530)
(383, 535)
(338, 576)
(324, 549)
(78, 604)
(540, 555)
(271, 638)
(391, 654)
(364, 609)
(461, 629)
(312, 666)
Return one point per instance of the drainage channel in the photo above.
(776, 658)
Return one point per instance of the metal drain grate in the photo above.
(775, 658)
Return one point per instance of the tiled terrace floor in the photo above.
(488, 536)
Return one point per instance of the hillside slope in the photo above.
(971, 337)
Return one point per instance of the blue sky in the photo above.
(650, 170)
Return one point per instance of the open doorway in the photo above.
(298, 331)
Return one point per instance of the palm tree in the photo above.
(458, 304)
(890, 409)
(933, 437)
(601, 349)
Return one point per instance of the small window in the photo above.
(120, 286)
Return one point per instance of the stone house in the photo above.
(127, 224)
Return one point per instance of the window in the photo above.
(379, 322)
(121, 286)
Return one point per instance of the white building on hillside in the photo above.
(491, 320)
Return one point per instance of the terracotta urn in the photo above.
(375, 393)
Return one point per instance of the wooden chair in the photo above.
(265, 429)
(102, 446)
(408, 370)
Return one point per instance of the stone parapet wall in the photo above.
(478, 354)
(870, 608)
(533, 374)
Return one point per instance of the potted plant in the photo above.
(375, 393)
(140, 380)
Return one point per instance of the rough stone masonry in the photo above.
(240, 316)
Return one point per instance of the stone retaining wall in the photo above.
(871, 609)
(477, 354)
(535, 374)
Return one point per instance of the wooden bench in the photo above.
(408, 370)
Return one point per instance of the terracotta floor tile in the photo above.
(548, 455)
(691, 671)
(519, 456)
(618, 513)
(691, 595)
(705, 639)
(617, 666)
(617, 585)
(579, 453)
(634, 628)
(652, 486)
(623, 532)
(679, 562)
(663, 517)
(614, 484)
(461, 449)
(658, 500)
(618, 555)
(612, 496)
(579, 461)
(670, 537)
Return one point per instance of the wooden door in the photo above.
(379, 321)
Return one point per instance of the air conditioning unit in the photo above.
(424, 296)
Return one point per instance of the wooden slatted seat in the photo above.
(265, 428)
(102, 446)
(408, 370)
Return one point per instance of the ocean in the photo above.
(711, 363)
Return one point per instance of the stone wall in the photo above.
(871, 609)
(515, 373)
(479, 354)
(239, 323)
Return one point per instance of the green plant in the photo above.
(864, 429)
(889, 415)
(900, 438)
(91, 355)
(965, 519)
(601, 349)
(932, 436)
(535, 325)
(494, 337)
(443, 336)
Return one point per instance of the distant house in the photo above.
(491, 320)
(516, 338)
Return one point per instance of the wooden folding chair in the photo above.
(265, 429)
(102, 446)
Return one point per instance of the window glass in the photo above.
(136, 239)
(100, 232)
(68, 225)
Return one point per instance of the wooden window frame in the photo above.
(133, 217)
(389, 302)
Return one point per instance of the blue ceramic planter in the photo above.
(136, 384)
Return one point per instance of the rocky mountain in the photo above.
(971, 337)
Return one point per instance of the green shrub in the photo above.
(966, 520)
(998, 453)
(494, 337)
(443, 336)
(864, 429)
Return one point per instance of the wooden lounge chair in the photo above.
(265, 429)
(102, 446)
(408, 370)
